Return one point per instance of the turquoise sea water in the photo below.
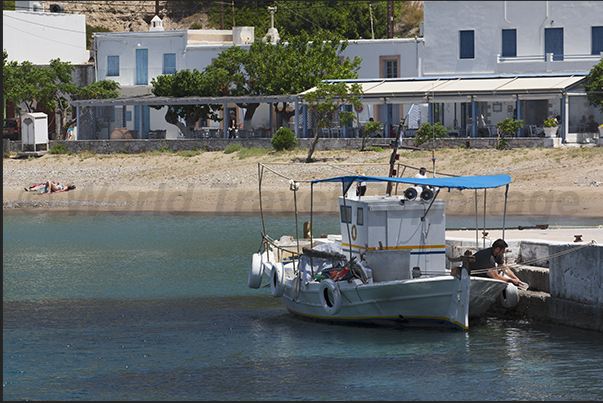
(110, 307)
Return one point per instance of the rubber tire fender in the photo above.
(255, 271)
(277, 280)
(330, 296)
(509, 297)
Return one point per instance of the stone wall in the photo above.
(138, 146)
(578, 275)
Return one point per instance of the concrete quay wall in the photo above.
(566, 287)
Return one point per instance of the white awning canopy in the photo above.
(463, 89)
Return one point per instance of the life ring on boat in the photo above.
(354, 232)
(277, 280)
(509, 297)
(255, 271)
(330, 296)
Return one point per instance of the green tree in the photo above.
(57, 88)
(428, 132)
(326, 103)
(19, 84)
(51, 87)
(287, 67)
(348, 19)
(594, 85)
(188, 83)
(296, 65)
(370, 128)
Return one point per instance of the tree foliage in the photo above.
(287, 67)
(347, 19)
(370, 128)
(283, 139)
(594, 85)
(182, 84)
(428, 132)
(50, 87)
(326, 104)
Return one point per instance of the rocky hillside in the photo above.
(124, 16)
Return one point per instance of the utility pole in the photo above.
(371, 14)
(390, 19)
(157, 7)
(233, 21)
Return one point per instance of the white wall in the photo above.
(124, 45)
(410, 51)
(444, 19)
(40, 37)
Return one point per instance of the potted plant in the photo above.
(550, 127)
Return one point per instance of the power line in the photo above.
(44, 37)
(43, 25)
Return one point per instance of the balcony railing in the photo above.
(549, 58)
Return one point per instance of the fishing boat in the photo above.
(387, 264)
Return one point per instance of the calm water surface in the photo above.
(157, 308)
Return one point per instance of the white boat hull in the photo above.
(441, 300)
(483, 292)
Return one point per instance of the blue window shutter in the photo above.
(509, 43)
(142, 66)
(112, 65)
(553, 42)
(467, 45)
(169, 63)
(597, 40)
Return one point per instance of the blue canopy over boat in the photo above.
(456, 182)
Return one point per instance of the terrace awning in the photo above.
(462, 89)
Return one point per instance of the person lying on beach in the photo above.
(50, 187)
(38, 186)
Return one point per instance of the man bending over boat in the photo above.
(492, 260)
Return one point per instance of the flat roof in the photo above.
(150, 99)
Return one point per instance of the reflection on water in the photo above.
(157, 308)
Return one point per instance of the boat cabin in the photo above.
(407, 236)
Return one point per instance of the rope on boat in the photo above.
(529, 262)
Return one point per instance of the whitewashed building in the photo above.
(31, 34)
(529, 58)
(468, 39)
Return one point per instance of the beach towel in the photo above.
(63, 188)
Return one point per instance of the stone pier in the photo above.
(564, 268)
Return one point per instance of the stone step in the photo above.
(536, 277)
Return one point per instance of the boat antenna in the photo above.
(433, 159)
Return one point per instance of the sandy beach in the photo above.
(564, 182)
